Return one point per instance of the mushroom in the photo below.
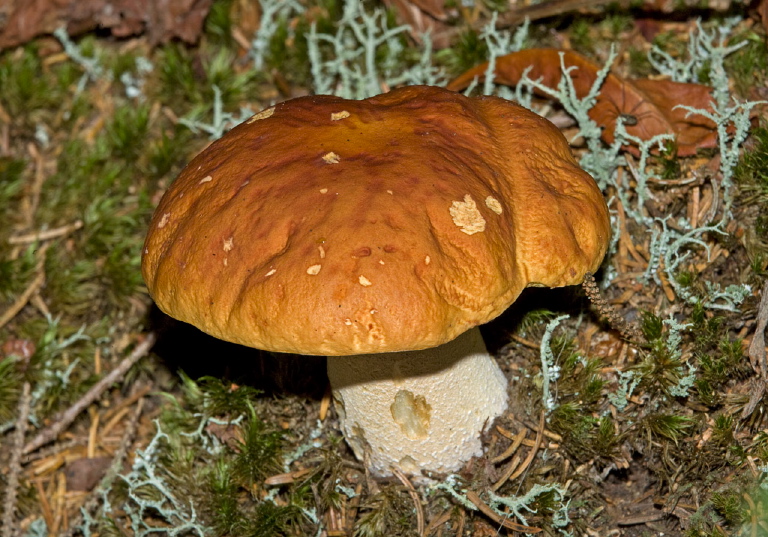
(380, 233)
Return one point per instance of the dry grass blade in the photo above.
(757, 346)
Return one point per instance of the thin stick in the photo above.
(32, 288)
(63, 420)
(14, 469)
(47, 234)
(490, 513)
(21, 301)
(415, 497)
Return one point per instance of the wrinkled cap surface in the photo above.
(333, 227)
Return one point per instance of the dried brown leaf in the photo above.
(647, 106)
(161, 20)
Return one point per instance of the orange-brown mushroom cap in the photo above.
(334, 227)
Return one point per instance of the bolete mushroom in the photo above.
(379, 233)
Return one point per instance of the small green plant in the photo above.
(25, 88)
(581, 35)
(667, 426)
(389, 512)
(218, 24)
(259, 452)
(10, 382)
(661, 370)
(127, 131)
(469, 50)
(730, 505)
(749, 65)
(752, 170)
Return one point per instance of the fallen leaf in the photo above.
(425, 16)
(161, 21)
(84, 474)
(647, 106)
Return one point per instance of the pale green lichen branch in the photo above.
(550, 371)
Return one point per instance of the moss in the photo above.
(187, 78)
(260, 453)
(729, 505)
(667, 426)
(11, 378)
(127, 132)
(178, 80)
(11, 183)
(15, 274)
(581, 34)
(25, 88)
(468, 51)
(752, 170)
(749, 65)
(218, 24)
(668, 164)
(388, 512)
(585, 437)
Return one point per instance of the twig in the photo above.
(63, 420)
(415, 497)
(525, 342)
(47, 234)
(490, 513)
(14, 468)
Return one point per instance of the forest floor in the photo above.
(117, 420)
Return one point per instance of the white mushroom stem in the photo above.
(418, 410)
